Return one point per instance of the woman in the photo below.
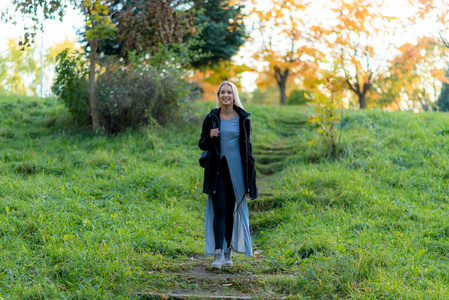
(229, 175)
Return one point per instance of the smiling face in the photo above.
(225, 95)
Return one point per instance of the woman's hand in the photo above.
(214, 132)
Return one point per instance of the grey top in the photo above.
(241, 237)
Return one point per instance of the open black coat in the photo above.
(211, 121)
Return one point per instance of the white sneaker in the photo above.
(227, 258)
(218, 259)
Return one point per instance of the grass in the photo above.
(94, 216)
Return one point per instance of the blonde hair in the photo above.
(234, 91)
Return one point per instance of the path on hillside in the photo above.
(243, 280)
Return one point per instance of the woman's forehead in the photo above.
(226, 87)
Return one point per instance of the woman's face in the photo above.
(226, 96)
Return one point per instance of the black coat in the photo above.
(211, 121)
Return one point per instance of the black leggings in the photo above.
(224, 203)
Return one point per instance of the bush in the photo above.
(128, 95)
(133, 95)
(298, 97)
(71, 85)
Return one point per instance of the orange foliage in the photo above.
(210, 78)
(285, 43)
(414, 74)
(358, 24)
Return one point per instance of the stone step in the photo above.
(268, 159)
(265, 203)
(270, 169)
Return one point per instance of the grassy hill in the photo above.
(94, 216)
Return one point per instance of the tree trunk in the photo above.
(92, 98)
(362, 100)
(281, 79)
(282, 91)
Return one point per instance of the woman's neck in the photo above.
(228, 112)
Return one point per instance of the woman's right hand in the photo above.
(214, 132)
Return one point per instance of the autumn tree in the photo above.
(17, 66)
(213, 75)
(414, 75)
(360, 41)
(435, 11)
(285, 44)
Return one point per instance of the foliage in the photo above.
(129, 94)
(413, 77)
(19, 68)
(16, 66)
(145, 26)
(210, 77)
(358, 25)
(132, 95)
(286, 44)
(98, 22)
(327, 110)
(267, 95)
(222, 31)
(443, 99)
(434, 11)
(36, 11)
(70, 85)
(298, 97)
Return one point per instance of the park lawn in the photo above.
(86, 215)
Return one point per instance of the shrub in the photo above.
(327, 115)
(129, 94)
(132, 95)
(71, 85)
(298, 97)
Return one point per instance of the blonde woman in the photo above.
(229, 175)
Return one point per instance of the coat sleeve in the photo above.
(205, 141)
(250, 144)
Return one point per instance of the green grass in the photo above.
(94, 216)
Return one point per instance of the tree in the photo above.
(16, 66)
(146, 25)
(436, 11)
(222, 31)
(214, 30)
(19, 68)
(36, 11)
(443, 99)
(286, 44)
(358, 30)
(98, 25)
(212, 76)
(414, 75)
